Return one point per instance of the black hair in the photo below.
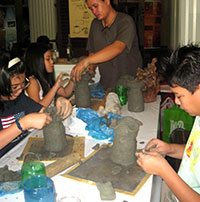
(34, 60)
(111, 3)
(6, 74)
(43, 39)
(182, 67)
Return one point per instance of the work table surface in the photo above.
(86, 192)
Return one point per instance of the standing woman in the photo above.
(40, 70)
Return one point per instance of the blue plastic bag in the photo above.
(96, 125)
(97, 91)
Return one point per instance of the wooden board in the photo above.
(36, 145)
(99, 168)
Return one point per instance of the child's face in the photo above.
(48, 61)
(18, 84)
(188, 102)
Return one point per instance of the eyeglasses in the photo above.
(20, 86)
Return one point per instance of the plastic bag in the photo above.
(97, 91)
(175, 117)
(96, 125)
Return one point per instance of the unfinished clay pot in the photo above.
(82, 92)
(124, 79)
(54, 133)
(135, 96)
(124, 144)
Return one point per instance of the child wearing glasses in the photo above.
(40, 70)
(18, 112)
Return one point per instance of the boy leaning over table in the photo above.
(182, 72)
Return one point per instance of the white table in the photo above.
(86, 192)
(67, 68)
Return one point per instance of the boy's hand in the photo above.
(64, 107)
(156, 145)
(151, 162)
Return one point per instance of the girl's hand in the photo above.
(35, 120)
(151, 162)
(60, 82)
(64, 107)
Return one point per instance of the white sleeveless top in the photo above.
(40, 92)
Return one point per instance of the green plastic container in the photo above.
(121, 91)
(32, 168)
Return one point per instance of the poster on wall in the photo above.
(80, 18)
(152, 23)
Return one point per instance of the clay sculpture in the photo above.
(135, 96)
(54, 133)
(124, 144)
(82, 91)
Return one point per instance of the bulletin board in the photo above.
(80, 18)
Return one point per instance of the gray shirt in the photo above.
(123, 29)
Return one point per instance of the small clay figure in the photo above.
(54, 133)
(135, 96)
(106, 191)
(124, 144)
(82, 91)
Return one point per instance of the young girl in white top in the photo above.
(40, 70)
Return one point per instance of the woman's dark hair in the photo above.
(34, 60)
(6, 73)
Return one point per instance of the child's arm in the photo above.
(173, 150)
(181, 190)
(34, 89)
(67, 90)
(33, 120)
(154, 163)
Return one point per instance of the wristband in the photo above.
(19, 126)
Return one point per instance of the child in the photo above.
(182, 72)
(40, 70)
(16, 109)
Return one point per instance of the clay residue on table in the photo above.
(7, 175)
(99, 168)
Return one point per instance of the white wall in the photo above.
(42, 18)
(185, 20)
